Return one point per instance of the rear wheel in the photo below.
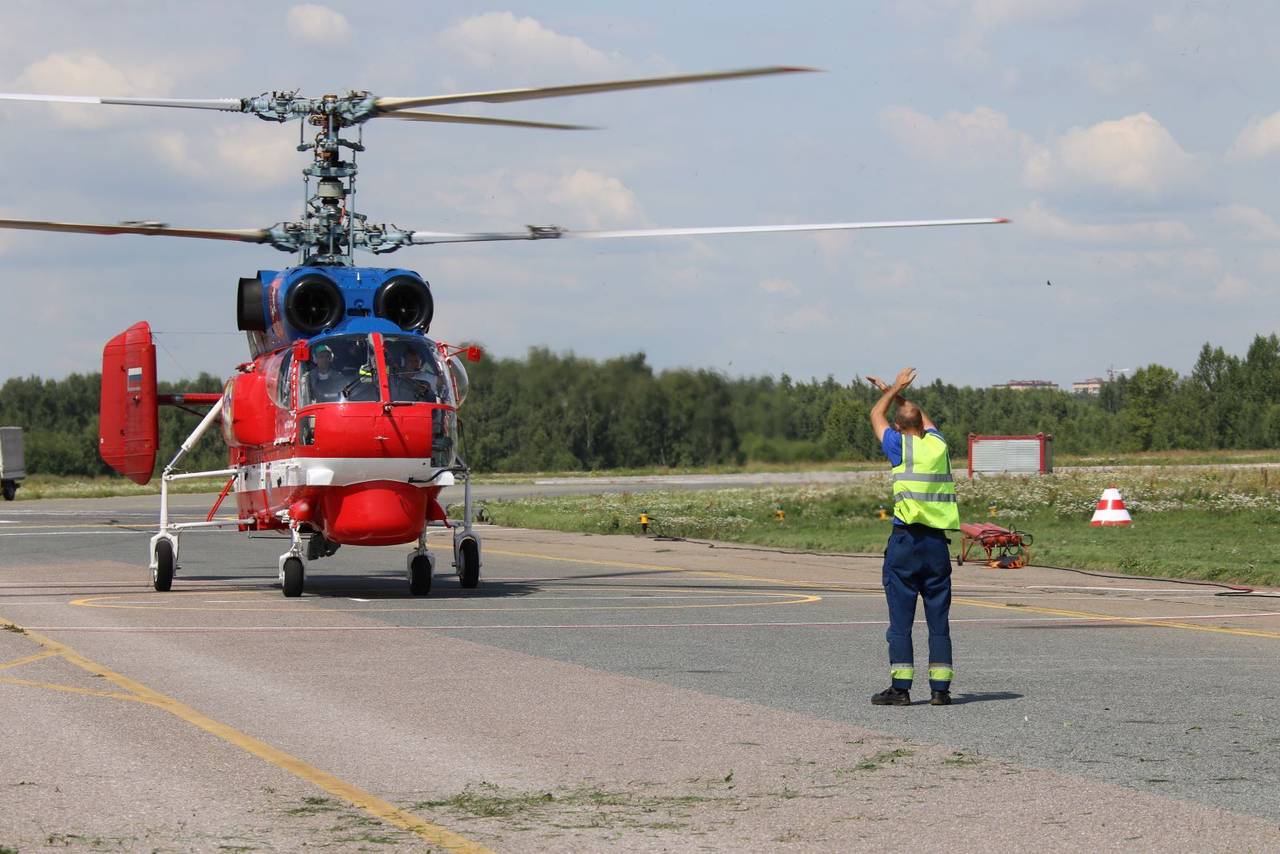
(10, 488)
(162, 572)
(469, 563)
(293, 577)
(420, 575)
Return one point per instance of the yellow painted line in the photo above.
(388, 812)
(1111, 618)
(107, 601)
(70, 689)
(711, 573)
(18, 662)
(976, 603)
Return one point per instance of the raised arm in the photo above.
(880, 411)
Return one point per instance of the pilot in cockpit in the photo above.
(414, 380)
(324, 382)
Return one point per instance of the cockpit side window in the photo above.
(415, 372)
(342, 368)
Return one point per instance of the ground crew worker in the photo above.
(917, 561)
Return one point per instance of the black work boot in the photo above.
(940, 698)
(892, 697)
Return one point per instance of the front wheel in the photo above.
(420, 575)
(293, 577)
(10, 488)
(162, 572)
(469, 563)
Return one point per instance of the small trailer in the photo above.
(12, 467)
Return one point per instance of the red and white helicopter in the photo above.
(342, 428)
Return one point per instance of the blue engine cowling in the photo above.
(276, 308)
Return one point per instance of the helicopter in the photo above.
(342, 427)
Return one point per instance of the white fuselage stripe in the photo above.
(294, 472)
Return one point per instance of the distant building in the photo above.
(1093, 385)
(1026, 385)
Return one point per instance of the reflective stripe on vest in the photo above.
(923, 490)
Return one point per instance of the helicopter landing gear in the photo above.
(292, 569)
(318, 546)
(421, 565)
(466, 543)
(466, 558)
(164, 562)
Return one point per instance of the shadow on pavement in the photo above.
(983, 697)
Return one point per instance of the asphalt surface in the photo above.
(614, 693)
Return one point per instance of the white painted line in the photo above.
(1124, 589)
(76, 533)
(518, 627)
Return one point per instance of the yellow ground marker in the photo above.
(976, 603)
(388, 812)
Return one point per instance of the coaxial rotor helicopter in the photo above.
(342, 427)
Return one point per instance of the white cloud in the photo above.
(578, 199)
(1251, 222)
(786, 287)
(244, 156)
(1131, 155)
(971, 22)
(79, 73)
(1260, 138)
(500, 40)
(957, 140)
(1232, 287)
(318, 24)
(1043, 222)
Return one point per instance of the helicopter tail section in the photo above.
(128, 425)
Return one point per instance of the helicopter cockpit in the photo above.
(345, 368)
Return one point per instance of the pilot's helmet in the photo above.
(322, 349)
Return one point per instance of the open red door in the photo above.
(128, 426)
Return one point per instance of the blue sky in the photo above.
(1134, 145)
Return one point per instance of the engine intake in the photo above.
(313, 304)
(406, 302)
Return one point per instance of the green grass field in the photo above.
(1209, 523)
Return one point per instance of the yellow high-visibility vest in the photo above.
(923, 490)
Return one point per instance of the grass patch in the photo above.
(1198, 523)
(962, 760)
(12, 627)
(486, 800)
(314, 806)
(880, 760)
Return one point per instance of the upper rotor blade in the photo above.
(228, 104)
(243, 235)
(480, 120)
(504, 95)
(554, 232)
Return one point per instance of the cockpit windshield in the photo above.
(415, 372)
(342, 368)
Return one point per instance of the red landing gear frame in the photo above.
(1005, 549)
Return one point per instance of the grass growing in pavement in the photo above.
(1199, 523)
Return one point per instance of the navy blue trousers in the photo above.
(917, 562)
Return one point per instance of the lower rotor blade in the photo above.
(229, 104)
(552, 232)
(243, 235)
(445, 118)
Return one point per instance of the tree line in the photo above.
(550, 411)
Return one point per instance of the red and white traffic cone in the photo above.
(1111, 510)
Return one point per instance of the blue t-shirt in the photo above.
(891, 444)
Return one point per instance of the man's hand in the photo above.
(905, 377)
(876, 382)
